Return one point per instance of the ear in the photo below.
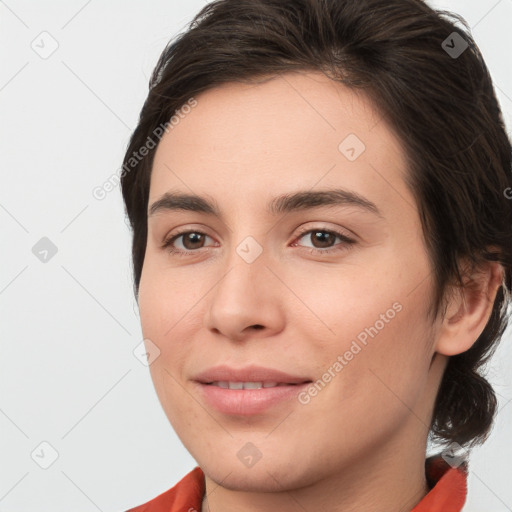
(468, 310)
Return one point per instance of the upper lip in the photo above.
(248, 374)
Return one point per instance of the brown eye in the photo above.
(323, 238)
(323, 241)
(191, 241)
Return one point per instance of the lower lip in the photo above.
(245, 402)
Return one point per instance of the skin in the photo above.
(360, 443)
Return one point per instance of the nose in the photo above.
(246, 301)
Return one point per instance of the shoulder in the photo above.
(185, 496)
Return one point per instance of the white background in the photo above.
(68, 327)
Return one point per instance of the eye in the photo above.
(324, 239)
(191, 240)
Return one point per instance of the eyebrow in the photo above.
(287, 203)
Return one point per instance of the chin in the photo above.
(266, 478)
(276, 472)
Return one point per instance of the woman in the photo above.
(319, 193)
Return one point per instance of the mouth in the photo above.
(250, 376)
(251, 385)
(249, 398)
(249, 390)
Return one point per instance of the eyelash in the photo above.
(312, 250)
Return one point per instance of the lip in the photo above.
(246, 402)
(248, 374)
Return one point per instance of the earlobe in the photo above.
(469, 309)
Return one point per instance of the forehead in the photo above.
(296, 130)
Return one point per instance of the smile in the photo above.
(247, 385)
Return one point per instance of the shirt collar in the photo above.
(448, 486)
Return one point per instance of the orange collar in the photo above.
(448, 489)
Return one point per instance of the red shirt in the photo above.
(448, 489)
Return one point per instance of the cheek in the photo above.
(165, 302)
(339, 304)
(374, 338)
(169, 314)
(158, 310)
(390, 371)
(162, 321)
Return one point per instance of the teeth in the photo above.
(252, 385)
(246, 385)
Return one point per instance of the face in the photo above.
(326, 289)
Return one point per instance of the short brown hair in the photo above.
(442, 106)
